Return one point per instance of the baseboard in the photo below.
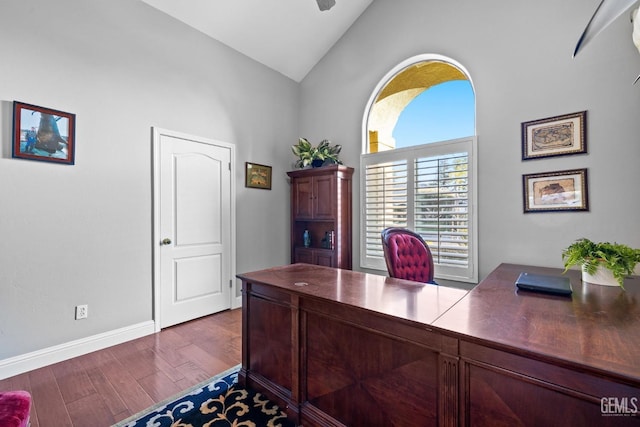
(236, 302)
(37, 359)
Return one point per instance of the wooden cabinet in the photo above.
(321, 204)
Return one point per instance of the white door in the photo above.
(193, 227)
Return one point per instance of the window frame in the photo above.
(410, 154)
(469, 274)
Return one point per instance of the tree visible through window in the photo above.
(418, 170)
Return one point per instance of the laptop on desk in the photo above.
(558, 285)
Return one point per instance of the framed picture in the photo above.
(555, 136)
(258, 176)
(45, 134)
(556, 191)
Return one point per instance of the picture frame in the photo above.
(257, 176)
(555, 136)
(558, 191)
(43, 134)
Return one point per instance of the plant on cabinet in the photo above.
(323, 154)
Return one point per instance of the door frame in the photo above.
(157, 133)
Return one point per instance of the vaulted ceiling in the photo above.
(289, 36)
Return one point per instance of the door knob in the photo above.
(166, 241)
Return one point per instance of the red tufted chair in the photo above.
(407, 255)
(14, 408)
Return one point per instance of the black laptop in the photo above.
(558, 285)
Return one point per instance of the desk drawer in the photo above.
(502, 387)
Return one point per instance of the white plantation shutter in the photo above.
(385, 202)
(442, 207)
(429, 189)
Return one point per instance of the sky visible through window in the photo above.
(442, 112)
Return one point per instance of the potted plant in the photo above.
(308, 155)
(602, 263)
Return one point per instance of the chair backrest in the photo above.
(407, 255)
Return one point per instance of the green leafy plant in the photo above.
(322, 154)
(620, 259)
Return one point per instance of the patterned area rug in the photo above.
(218, 402)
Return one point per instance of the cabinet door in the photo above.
(304, 255)
(314, 256)
(323, 258)
(302, 198)
(324, 199)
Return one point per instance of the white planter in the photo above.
(602, 276)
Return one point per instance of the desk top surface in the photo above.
(413, 301)
(597, 326)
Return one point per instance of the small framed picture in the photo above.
(44, 134)
(258, 176)
(555, 136)
(556, 191)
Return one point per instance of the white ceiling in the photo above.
(289, 36)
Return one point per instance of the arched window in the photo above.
(418, 168)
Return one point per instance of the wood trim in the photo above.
(448, 403)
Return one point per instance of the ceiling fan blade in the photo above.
(605, 14)
(325, 4)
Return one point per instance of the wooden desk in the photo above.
(338, 347)
(546, 360)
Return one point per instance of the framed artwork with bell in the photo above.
(43, 134)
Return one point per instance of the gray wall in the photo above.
(519, 55)
(82, 234)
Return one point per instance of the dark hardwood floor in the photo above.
(107, 386)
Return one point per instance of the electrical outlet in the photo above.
(82, 311)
